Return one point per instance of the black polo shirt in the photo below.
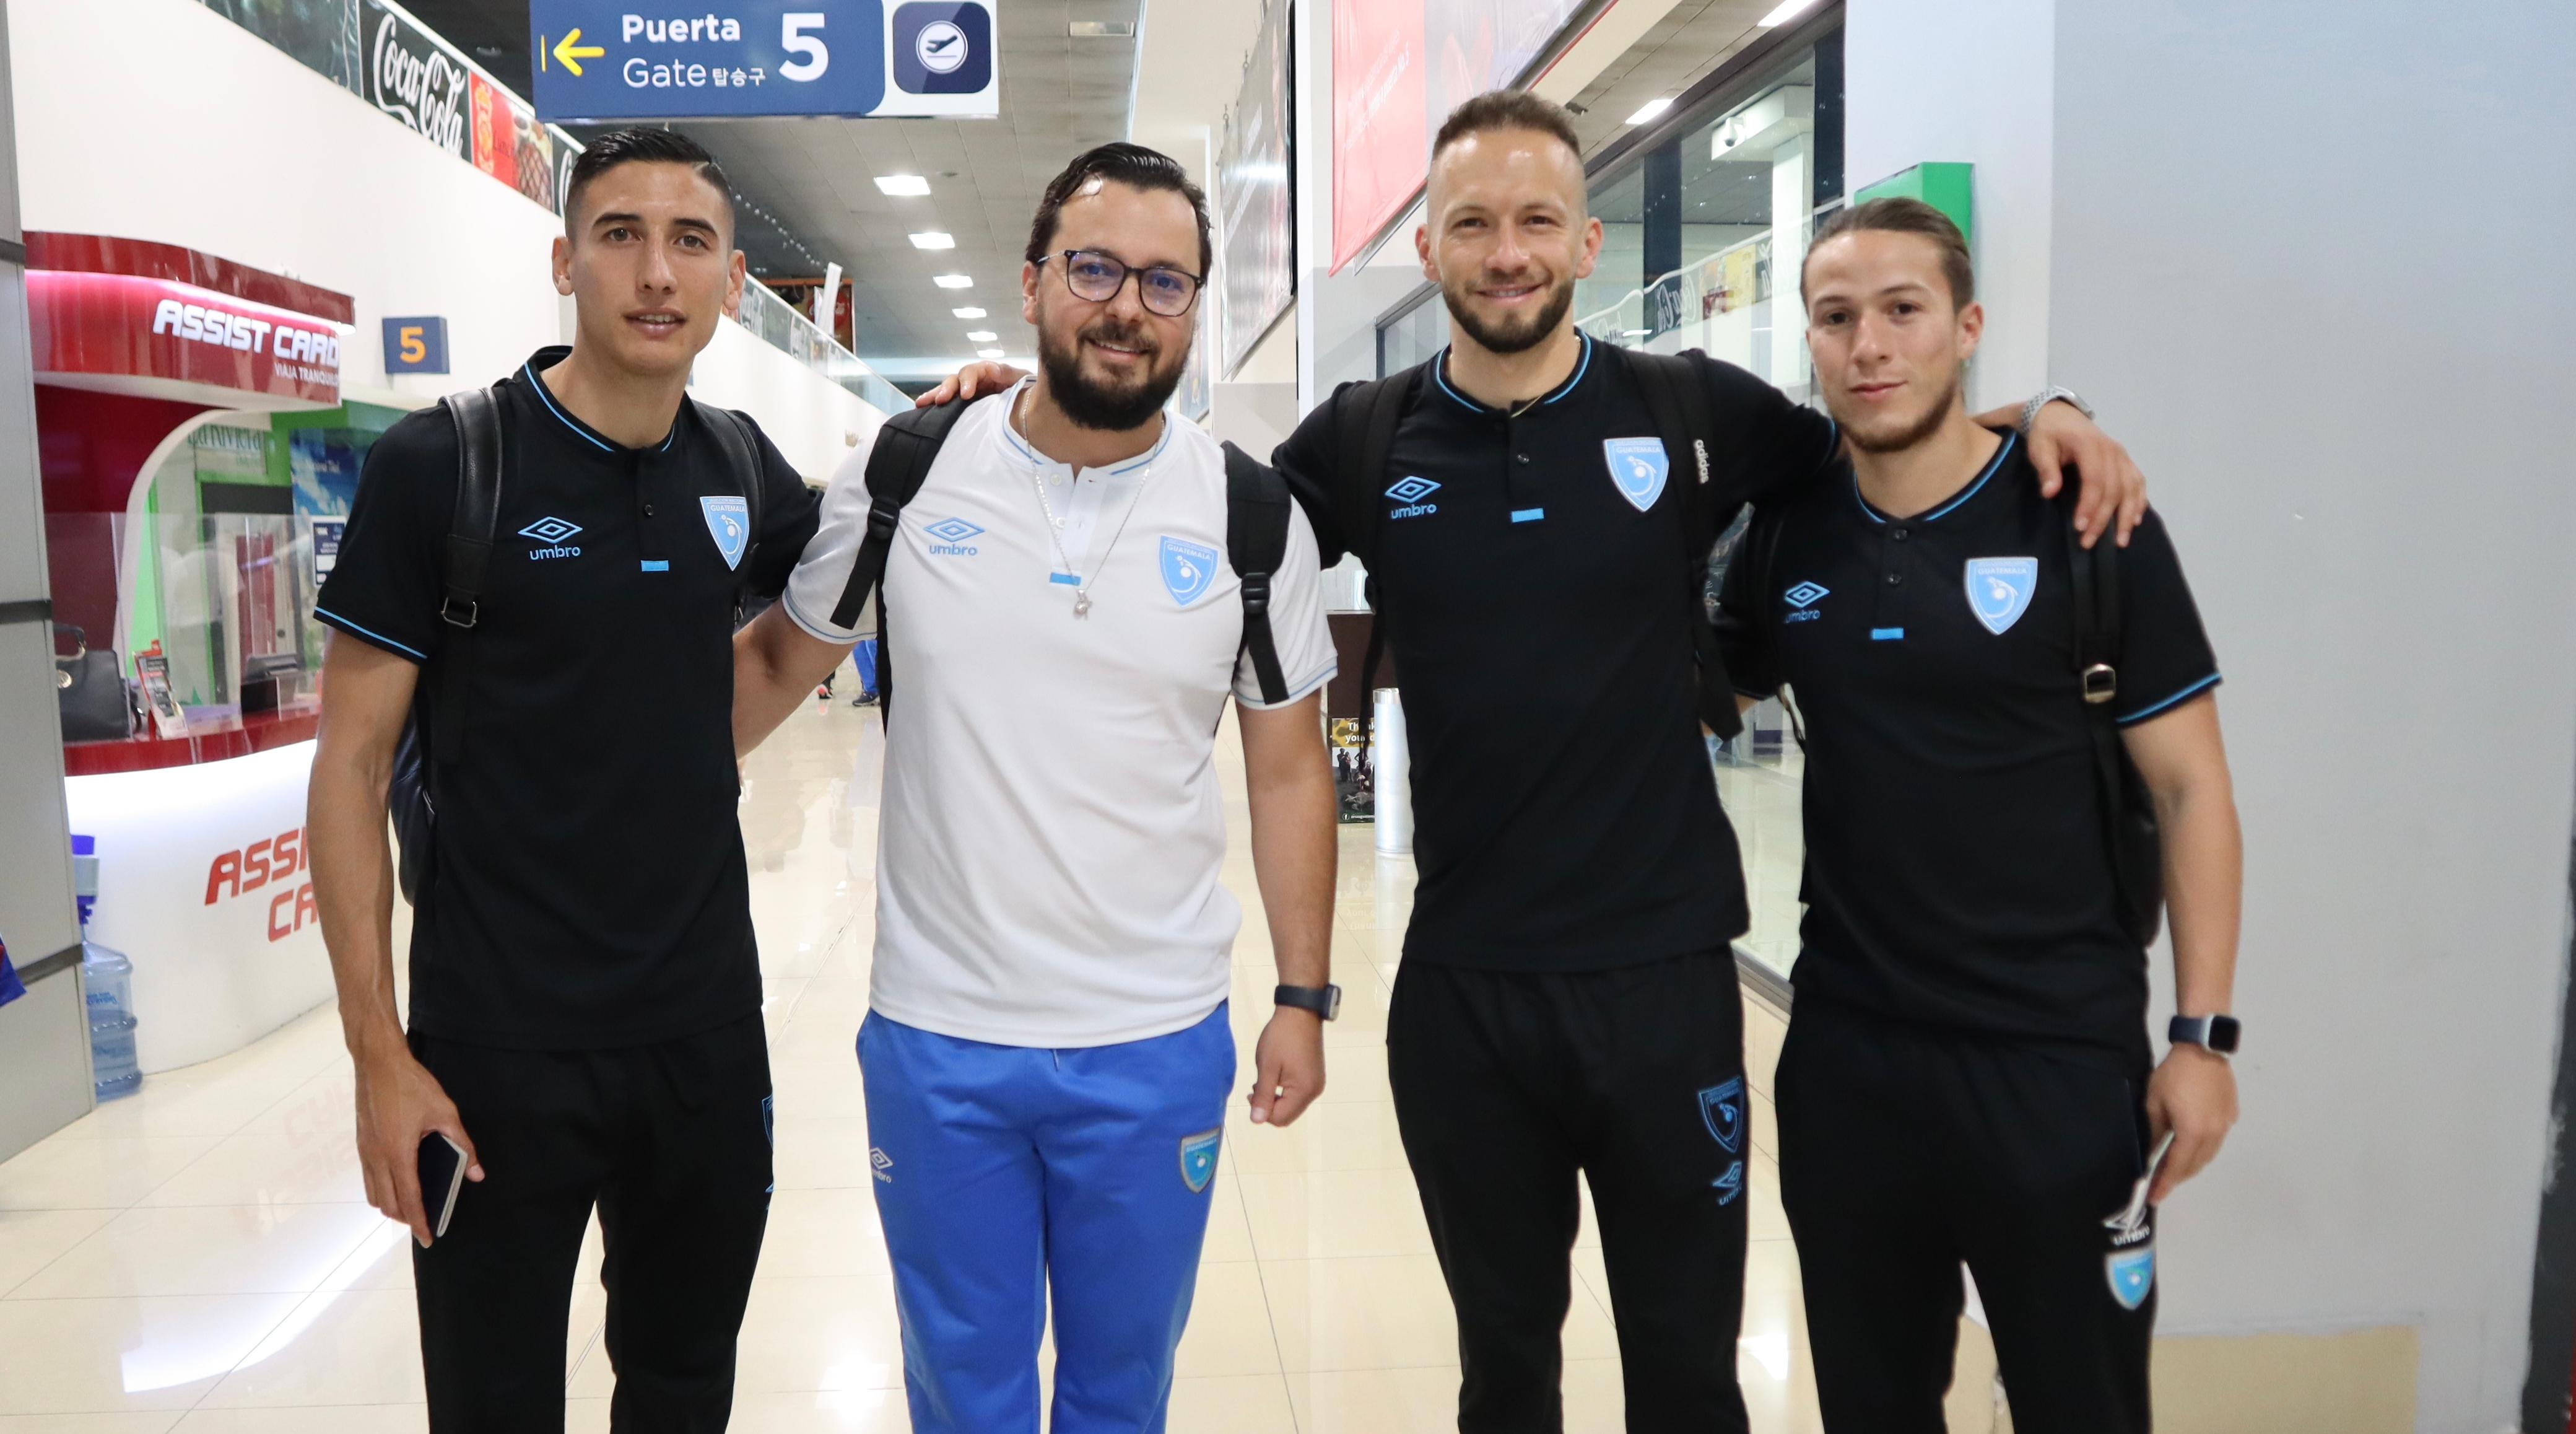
(1956, 869)
(1565, 817)
(590, 887)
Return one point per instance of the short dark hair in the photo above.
(1904, 216)
(1508, 109)
(640, 146)
(1132, 165)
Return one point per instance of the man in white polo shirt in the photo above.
(1047, 1052)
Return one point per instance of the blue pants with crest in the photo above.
(1005, 1171)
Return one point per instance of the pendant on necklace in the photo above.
(1082, 604)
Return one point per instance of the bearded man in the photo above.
(1047, 1050)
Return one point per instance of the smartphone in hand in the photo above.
(442, 1176)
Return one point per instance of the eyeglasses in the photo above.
(1097, 277)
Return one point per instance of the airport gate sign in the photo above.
(607, 61)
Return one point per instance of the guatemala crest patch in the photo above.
(1722, 1106)
(1198, 1159)
(1188, 568)
(729, 523)
(2132, 1274)
(1638, 466)
(2000, 589)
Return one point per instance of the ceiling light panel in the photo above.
(934, 239)
(1650, 109)
(953, 281)
(988, 353)
(903, 186)
(982, 336)
(968, 313)
(1785, 11)
(1103, 29)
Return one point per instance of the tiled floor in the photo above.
(198, 1257)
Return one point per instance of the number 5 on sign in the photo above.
(812, 58)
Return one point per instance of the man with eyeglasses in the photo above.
(1048, 1045)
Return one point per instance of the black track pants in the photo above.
(671, 1141)
(1506, 1085)
(1905, 1152)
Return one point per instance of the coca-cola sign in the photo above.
(411, 76)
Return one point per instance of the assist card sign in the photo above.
(608, 61)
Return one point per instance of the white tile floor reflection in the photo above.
(199, 1258)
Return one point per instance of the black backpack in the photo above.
(2130, 832)
(438, 704)
(1676, 389)
(1256, 538)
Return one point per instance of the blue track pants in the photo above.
(1004, 1171)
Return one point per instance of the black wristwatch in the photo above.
(2213, 1033)
(1324, 1001)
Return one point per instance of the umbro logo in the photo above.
(550, 534)
(1408, 494)
(881, 1162)
(1804, 595)
(953, 538)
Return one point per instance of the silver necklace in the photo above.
(1055, 525)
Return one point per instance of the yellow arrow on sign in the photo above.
(572, 55)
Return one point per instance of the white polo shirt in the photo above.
(1052, 828)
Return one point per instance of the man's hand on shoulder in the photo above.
(2112, 488)
(972, 381)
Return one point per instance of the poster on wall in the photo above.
(1399, 67)
(1256, 196)
(1378, 105)
(509, 144)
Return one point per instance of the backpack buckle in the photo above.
(883, 519)
(447, 613)
(1256, 592)
(2101, 683)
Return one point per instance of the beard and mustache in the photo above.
(1110, 406)
(1508, 336)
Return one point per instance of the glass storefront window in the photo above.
(1704, 233)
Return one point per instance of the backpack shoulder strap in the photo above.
(476, 415)
(1365, 416)
(732, 434)
(1256, 544)
(905, 448)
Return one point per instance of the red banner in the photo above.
(1379, 121)
(167, 339)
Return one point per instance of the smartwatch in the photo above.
(1324, 1001)
(2047, 396)
(2218, 1034)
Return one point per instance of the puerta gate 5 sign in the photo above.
(604, 61)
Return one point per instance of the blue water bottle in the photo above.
(108, 979)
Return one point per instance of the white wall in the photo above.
(2224, 224)
(1911, 99)
(208, 137)
(2354, 411)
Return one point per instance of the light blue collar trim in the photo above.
(1440, 374)
(1021, 446)
(1993, 466)
(548, 400)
